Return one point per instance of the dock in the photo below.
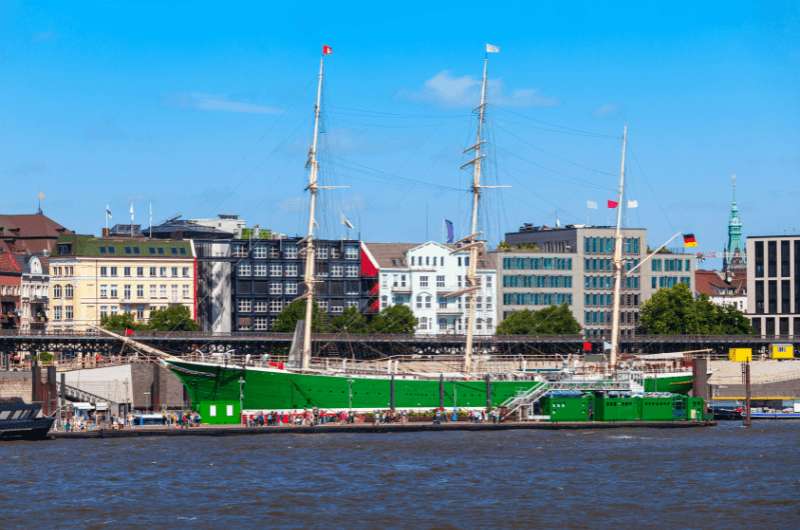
(237, 430)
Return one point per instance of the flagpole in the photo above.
(151, 219)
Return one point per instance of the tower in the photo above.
(734, 259)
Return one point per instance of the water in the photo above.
(721, 477)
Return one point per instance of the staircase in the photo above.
(76, 394)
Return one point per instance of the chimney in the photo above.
(106, 232)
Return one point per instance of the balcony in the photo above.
(401, 288)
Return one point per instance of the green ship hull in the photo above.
(274, 389)
(676, 383)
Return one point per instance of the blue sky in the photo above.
(203, 109)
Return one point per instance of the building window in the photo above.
(162, 291)
(153, 291)
(153, 272)
(419, 301)
(239, 250)
(113, 293)
(245, 306)
(244, 269)
(113, 271)
(489, 324)
(261, 306)
(352, 271)
(260, 323)
(126, 271)
(186, 292)
(174, 272)
(423, 323)
(260, 269)
(322, 253)
(114, 310)
(260, 252)
(126, 292)
(103, 291)
(139, 312)
(428, 302)
(337, 270)
(140, 291)
(291, 288)
(275, 288)
(350, 252)
(68, 312)
(423, 281)
(488, 302)
(174, 292)
(57, 313)
(275, 306)
(337, 309)
(488, 281)
(103, 311)
(103, 271)
(290, 271)
(440, 281)
(323, 305)
(275, 270)
(478, 302)
(442, 302)
(57, 291)
(290, 252)
(186, 272)
(139, 272)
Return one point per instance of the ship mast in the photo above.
(474, 246)
(313, 190)
(618, 262)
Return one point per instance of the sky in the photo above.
(202, 109)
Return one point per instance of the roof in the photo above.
(712, 283)
(90, 246)
(32, 233)
(8, 262)
(393, 255)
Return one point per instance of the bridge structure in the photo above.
(371, 346)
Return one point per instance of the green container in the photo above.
(220, 412)
(696, 409)
(658, 408)
(617, 408)
(567, 408)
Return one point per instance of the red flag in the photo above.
(128, 332)
(612, 204)
(326, 50)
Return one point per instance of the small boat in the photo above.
(23, 421)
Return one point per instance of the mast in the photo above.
(473, 283)
(618, 262)
(313, 190)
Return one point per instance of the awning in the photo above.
(82, 405)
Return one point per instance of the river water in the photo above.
(720, 477)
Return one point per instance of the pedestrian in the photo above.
(437, 417)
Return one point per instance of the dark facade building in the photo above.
(773, 284)
(244, 284)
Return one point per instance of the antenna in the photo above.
(40, 196)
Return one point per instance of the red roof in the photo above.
(712, 283)
(30, 233)
(10, 272)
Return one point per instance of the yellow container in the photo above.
(740, 355)
(781, 351)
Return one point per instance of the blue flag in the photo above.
(450, 232)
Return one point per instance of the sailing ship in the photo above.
(217, 383)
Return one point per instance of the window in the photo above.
(114, 309)
(440, 281)
(139, 272)
(275, 288)
(351, 303)
(162, 291)
(103, 271)
(275, 306)
(152, 271)
(260, 269)
(140, 291)
(337, 270)
(239, 250)
(428, 302)
(322, 253)
(261, 306)
(423, 323)
(126, 292)
(350, 252)
(186, 272)
(478, 302)
(174, 293)
(423, 281)
(260, 323)
(337, 309)
(489, 324)
(260, 252)
(488, 302)
(245, 306)
(275, 269)
(153, 289)
(290, 252)
(57, 313)
(323, 305)
(113, 271)
(139, 312)
(459, 281)
(244, 269)
(419, 301)
(162, 271)
(103, 311)
(113, 292)
(290, 288)
(290, 270)
(174, 271)
(488, 281)
(186, 293)
(126, 271)
(57, 291)
(352, 271)
(68, 312)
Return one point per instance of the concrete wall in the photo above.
(768, 379)
(15, 384)
(111, 382)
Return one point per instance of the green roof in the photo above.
(90, 246)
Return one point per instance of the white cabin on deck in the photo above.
(422, 276)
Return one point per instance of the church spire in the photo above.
(734, 250)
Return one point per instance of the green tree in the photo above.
(351, 321)
(172, 318)
(287, 319)
(675, 311)
(119, 323)
(552, 320)
(394, 319)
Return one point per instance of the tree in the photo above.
(172, 318)
(119, 322)
(552, 320)
(351, 321)
(287, 319)
(674, 311)
(394, 319)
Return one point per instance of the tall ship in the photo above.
(222, 387)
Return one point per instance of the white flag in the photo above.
(592, 205)
(491, 48)
(633, 203)
(346, 222)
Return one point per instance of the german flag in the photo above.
(689, 240)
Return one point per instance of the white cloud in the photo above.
(464, 91)
(222, 103)
(606, 109)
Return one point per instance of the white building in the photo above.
(423, 276)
